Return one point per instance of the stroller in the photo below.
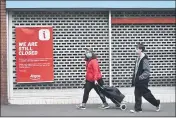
(114, 95)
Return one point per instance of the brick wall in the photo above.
(159, 40)
(73, 31)
(3, 53)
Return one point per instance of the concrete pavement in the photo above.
(167, 109)
(74, 96)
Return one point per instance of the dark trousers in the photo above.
(87, 88)
(146, 93)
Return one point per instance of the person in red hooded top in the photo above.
(93, 77)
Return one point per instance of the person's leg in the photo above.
(138, 99)
(87, 88)
(102, 96)
(146, 93)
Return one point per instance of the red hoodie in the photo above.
(93, 70)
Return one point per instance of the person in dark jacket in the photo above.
(140, 80)
(93, 77)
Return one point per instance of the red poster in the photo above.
(34, 54)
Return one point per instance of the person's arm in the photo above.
(132, 78)
(146, 69)
(95, 68)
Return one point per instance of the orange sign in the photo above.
(34, 54)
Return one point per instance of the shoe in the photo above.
(133, 111)
(158, 107)
(105, 106)
(81, 106)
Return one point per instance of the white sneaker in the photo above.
(133, 111)
(81, 106)
(104, 106)
(158, 108)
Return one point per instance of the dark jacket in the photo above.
(141, 78)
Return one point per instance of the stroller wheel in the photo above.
(123, 107)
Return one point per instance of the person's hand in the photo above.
(96, 82)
